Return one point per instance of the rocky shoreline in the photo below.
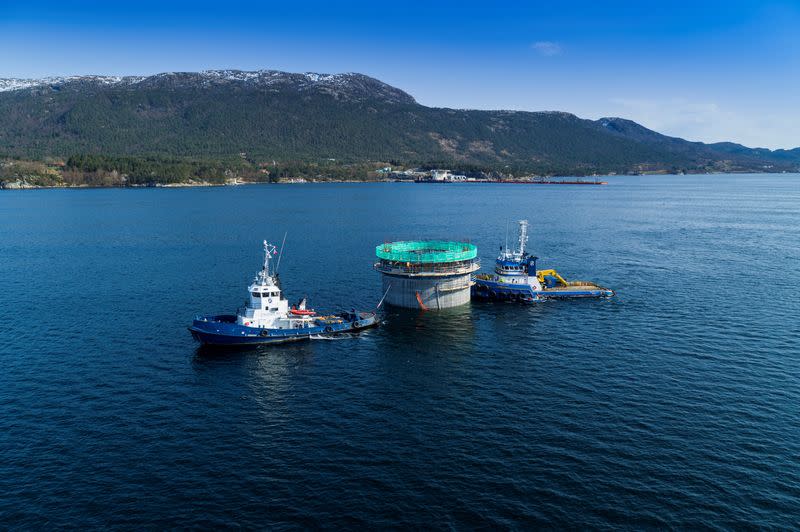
(23, 185)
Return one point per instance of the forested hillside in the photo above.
(205, 123)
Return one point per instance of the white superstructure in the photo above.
(515, 266)
(266, 307)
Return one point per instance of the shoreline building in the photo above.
(427, 274)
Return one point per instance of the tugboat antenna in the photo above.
(280, 253)
(505, 248)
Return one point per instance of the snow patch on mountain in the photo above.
(11, 84)
(347, 86)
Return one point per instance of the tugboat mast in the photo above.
(269, 249)
(519, 253)
(523, 236)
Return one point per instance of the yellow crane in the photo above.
(552, 273)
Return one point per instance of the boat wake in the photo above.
(341, 336)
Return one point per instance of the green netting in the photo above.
(428, 251)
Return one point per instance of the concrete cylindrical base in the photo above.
(432, 292)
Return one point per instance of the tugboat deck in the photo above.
(574, 286)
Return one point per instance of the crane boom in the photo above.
(552, 273)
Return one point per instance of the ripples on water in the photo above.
(674, 403)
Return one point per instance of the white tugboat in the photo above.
(517, 279)
(267, 318)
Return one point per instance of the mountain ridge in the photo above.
(264, 78)
(274, 115)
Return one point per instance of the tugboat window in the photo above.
(256, 294)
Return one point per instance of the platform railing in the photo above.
(464, 267)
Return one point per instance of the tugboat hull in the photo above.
(492, 290)
(223, 329)
(517, 279)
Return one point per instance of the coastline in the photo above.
(563, 180)
(26, 186)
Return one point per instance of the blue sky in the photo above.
(706, 71)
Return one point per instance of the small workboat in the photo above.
(301, 310)
(267, 319)
(516, 278)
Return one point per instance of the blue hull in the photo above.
(491, 291)
(223, 329)
(495, 291)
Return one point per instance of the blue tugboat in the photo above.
(517, 279)
(267, 318)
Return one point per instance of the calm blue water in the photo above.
(676, 403)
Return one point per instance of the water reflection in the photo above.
(266, 374)
(208, 353)
(443, 330)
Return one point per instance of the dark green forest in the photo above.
(181, 127)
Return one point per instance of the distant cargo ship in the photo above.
(551, 182)
(516, 181)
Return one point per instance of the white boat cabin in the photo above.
(516, 266)
(266, 307)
